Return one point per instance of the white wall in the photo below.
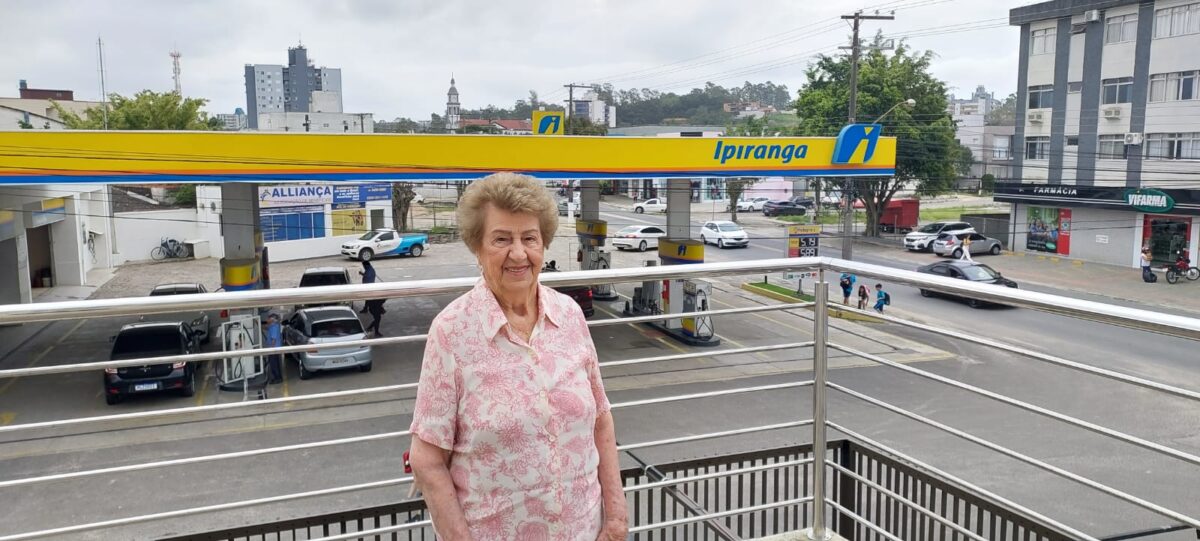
(292, 250)
(9, 120)
(139, 232)
(317, 122)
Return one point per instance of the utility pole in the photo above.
(103, 91)
(567, 129)
(855, 50)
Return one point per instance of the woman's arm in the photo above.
(431, 468)
(616, 514)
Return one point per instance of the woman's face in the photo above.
(511, 250)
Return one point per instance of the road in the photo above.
(1170, 421)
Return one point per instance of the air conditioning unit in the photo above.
(1036, 117)
(1092, 16)
(1133, 139)
(1112, 113)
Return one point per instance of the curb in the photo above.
(833, 312)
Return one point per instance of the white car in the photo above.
(723, 234)
(755, 204)
(651, 205)
(385, 242)
(922, 239)
(638, 237)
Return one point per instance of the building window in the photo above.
(1040, 96)
(1173, 146)
(1042, 41)
(1119, 29)
(1174, 86)
(1117, 90)
(1074, 88)
(1000, 148)
(1177, 21)
(1072, 140)
(1037, 148)
(1112, 147)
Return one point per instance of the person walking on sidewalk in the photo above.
(881, 298)
(966, 248)
(1147, 273)
(273, 338)
(375, 307)
(847, 282)
(863, 295)
(368, 277)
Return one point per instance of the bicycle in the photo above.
(169, 248)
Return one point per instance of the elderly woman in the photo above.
(512, 437)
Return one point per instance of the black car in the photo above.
(796, 206)
(201, 322)
(965, 270)
(142, 340)
(581, 294)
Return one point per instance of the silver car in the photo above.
(201, 322)
(325, 325)
(951, 244)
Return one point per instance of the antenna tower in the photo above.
(175, 55)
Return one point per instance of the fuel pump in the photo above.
(646, 297)
(241, 332)
(695, 299)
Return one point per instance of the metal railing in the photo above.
(821, 503)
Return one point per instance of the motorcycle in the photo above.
(1182, 267)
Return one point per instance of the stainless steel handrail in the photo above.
(1074, 421)
(1040, 464)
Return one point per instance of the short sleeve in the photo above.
(435, 414)
(592, 364)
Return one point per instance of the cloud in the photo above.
(397, 57)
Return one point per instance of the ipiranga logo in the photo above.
(852, 138)
(783, 153)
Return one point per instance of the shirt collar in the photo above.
(491, 315)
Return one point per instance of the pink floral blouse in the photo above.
(518, 417)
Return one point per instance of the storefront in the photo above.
(1102, 224)
(308, 220)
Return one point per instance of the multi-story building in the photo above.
(989, 144)
(594, 109)
(1107, 142)
(272, 88)
(233, 122)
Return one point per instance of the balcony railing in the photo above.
(859, 487)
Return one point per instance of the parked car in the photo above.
(638, 237)
(755, 204)
(201, 322)
(140, 340)
(796, 206)
(326, 325)
(385, 242)
(832, 199)
(651, 205)
(922, 239)
(723, 234)
(581, 294)
(323, 276)
(564, 208)
(951, 244)
(965, 270)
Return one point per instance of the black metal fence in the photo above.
(888, 497)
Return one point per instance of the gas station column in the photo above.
(592, 233)
(241, 268)
(678, 248)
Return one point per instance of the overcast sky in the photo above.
(397, 56)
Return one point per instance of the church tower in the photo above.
(452, 108)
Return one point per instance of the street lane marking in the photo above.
(771, 319)
(619, 217)
(63, 338)
(634, 326)
(6, 418)
(200, 396)
(31, 364)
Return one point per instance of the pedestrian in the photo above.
(881, 298)
(1148, 275)
(966, 247)
(863, 295)
(375, 307)
(368, 277)
(273, 338)
(847, 282)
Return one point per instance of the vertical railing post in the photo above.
(819, 532)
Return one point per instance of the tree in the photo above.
(1004, 114)
(146, 110)
(402, 196)
(184, 195)
(579, 125)
(24, 125)
(987, 183)
(963, 160)
(735, 187)
(926, 146)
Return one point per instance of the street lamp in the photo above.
(908, 104)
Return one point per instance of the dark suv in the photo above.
(142, 340)
(796, 206)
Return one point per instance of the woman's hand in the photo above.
(614, 529)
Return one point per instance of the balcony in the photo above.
(756, 479)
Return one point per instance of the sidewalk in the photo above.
(13, 337)
(1113, 282)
